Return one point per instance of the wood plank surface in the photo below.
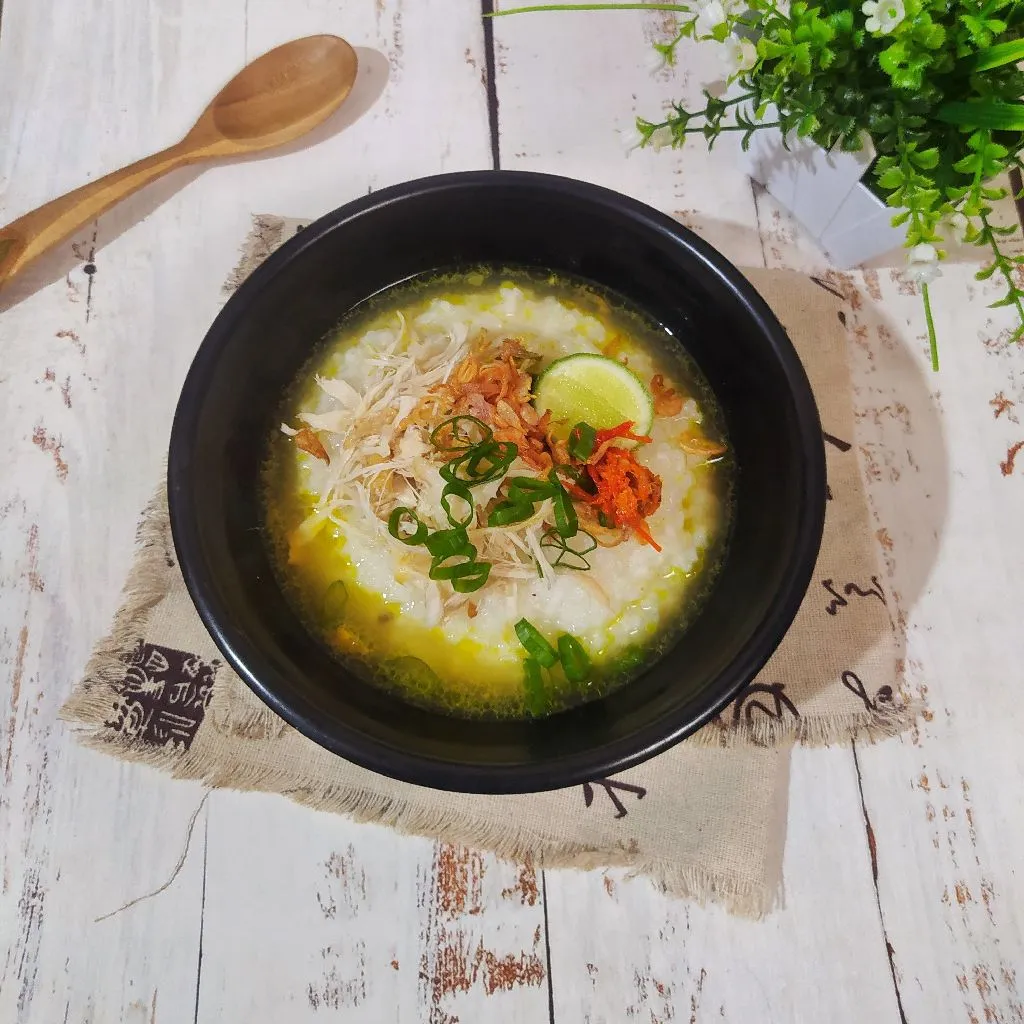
(96, 340)
(83, 422)
(903, 445)
(308, 915)
(936, 451)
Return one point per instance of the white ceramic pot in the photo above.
(824, 192)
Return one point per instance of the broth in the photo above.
(427, 392)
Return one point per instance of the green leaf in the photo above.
(801, 58)
(892, 178)
(911, 77)
(997, 56)
(900, 218)
(881, 123)
(933, 37)
(1010, 299)
(980, 35)
(667, 51)
(841, 21)
(967, 164)
(808, 125)
(851, 142)
(892, 57)
(768, 49)
(992, 114)
(927, 159)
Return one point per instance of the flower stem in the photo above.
(532, 9)
(933, 344)
(691, 114)
(1003, 266)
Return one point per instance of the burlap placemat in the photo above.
(705, 820)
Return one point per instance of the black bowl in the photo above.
(266, 332)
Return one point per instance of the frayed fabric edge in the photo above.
(873, 725)
(91, 699)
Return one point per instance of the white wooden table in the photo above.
(903, 873)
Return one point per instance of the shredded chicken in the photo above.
(384, 457)
(496, 390)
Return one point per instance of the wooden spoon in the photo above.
(271, 101)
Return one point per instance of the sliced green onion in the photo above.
(529, 486)
(401, 516)
(569, 556)
(533, 684)
(570, 560)
(488, 462)
(575, 662)
(456, 434)
(505, 513)
(481, 464)
(441, 571)
(466, 576)
(335, 600)
(536, 646)
(582, 440)
(470, 581)
(446, 543)
(458, 490)
(523, 493)
(579, 478)
(566, 520)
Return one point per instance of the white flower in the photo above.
(656, 61)
(923, 264)
(883, 15)
(712, 14)
(958, 225)
(660, 138)
(630, 139)
(739, 55)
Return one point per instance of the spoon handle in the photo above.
(31, 235)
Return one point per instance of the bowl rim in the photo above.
(559, 772)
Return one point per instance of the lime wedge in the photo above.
(595, 389)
